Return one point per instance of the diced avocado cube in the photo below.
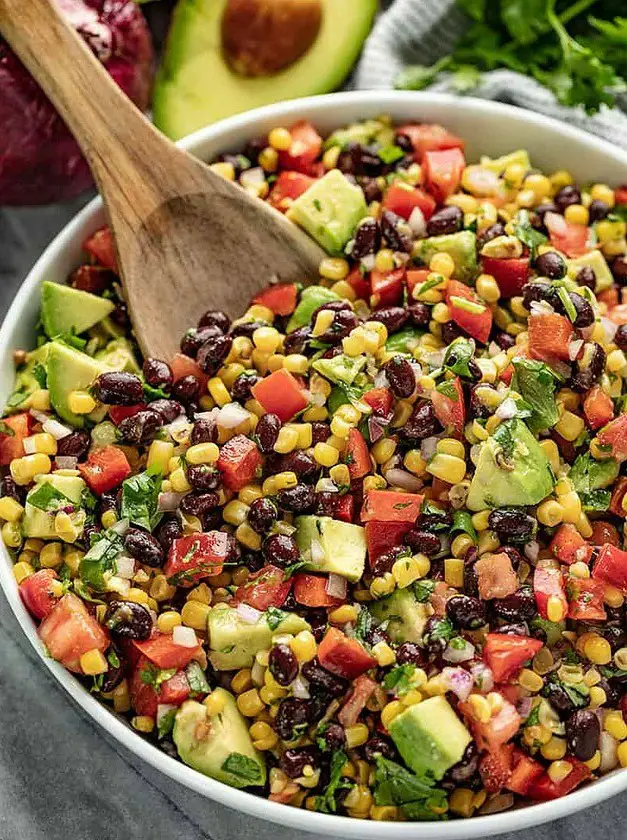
(406, 617)
(340, 368)
(498, 165)
(219, 745)
(311, 299)
(64, 309)
(119, 355)
(70, 370)
(597, 262)
(512, 470)
(341, 545)
(330, 210)
(430, 737)
(26, 383)
(234, 642)
(461, 247)
(39, 523)
(404, 341)
(365, 133)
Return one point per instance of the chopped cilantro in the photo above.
(166, 723)
(274, 617)
(400, 680)
(327, 802)
(140, 498)
(243, 767)
(47, 497)
(415, 796)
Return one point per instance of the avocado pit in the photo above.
(263, 37)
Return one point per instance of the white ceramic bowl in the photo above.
(488, 128)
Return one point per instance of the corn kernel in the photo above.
(326, 455)
(160, 589)
(487, 288)
(179, 481)
(93, 662)
(616, 361)
(334, 268)
(195, 614)
(235, 512)
(622, 754)
(248, 537)
(10, 509)
(304, 646)
(390, 711)
(405, 571)
(448, 468)
(384, 260)
(22, 570)
(51, 556)
(40, 400)
(450, 446)
(530, 680)
(480, 520)
(80, 402)
(202, 453)
(480, 708)
(23, 470)
(597, 650)
(414, 462)
(340, 475)
(242, 681)
(461, 802)
(286, 441)
(577, 214)
(224, 169)
(356, 735)
(384, 654)
(615, 725)
(159, 455)
(554, 750)
(559, 770)
(268, 159)
(442, 263)
(167, 621)
(454, 572)
(280, 139)
(549, 513)
(344, 614)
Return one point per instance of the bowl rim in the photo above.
(241, 800)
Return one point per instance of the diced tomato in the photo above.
(450, 411)
(391, 506)
(609, 297)
(525, 771)
(614, 435)
(495, 768)
(101, 247)
(505, 655)
(382, 536)
(620, 194)
(287, 188)
(477, 324)
(165, 653)
(238, 462)
(357, 455)
(549, 337)
(611, 567)
(443, 171)
(344, 507)
(117, 413)
(343, 656)
(197, 556)
(386, 288)
(359, 283)
(144, 698)
(618, 494)
(603, 532)
(280, 298)
(549, 585)
(36, 593)
(305, 148)
(495, 576)
(544, 788)
(361, 691)
(510, 274)
(91, 278)
(501, 727)
(403, 199)
(105, 469)
(310, 591)
(380, 400)
(415, 277)
(184, 366)
(598, 408)
(567, 237)
(585, 599)
(427, 137)
(617, 314)
(281, 394)
(69, 631)
(507, 374)
(266, 588)
(12, 444)
(569, 546)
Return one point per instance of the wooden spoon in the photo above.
(187, 240)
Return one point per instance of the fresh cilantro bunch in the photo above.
(578, 50)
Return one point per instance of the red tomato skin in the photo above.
(305, 148)
(281, 298)
(427, 137)
(603, 532)
(210, 551)
(524, 773)
(569, 546)
(361, 691)
(506, 654)
(344, 507)
(586, 599)
(598, 408)
(358, 455)
(310, 591)
(12, 446)
(501, 728)
(403, 201)
(359, 283)
(495, 768)
(510, 274)
(543, 789)
(287, 188)
(380, 400)
(69, 631)
(36, 595)
(415, 277)
(618, 494)
(182, 366)
(105, 469)
(382, 536)
(391, 506)
(266, 588)
(280, 394)
(620, 194)
(567, 237)
(451, 412)
(549, 337)
(101, 247)
(117, 413)
(611, 567)
(164, 653)
(386, 287)
(443, 171)
(145, 699)
(238, 462)
(548, 583)
(343, 656)
(477, 325)
(615, 435)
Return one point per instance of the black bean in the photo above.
(118, 388)
(320, 433)
(298, 462)
(422, 423)
(367, 239)
(512, 524)
(490, 233)
(75, 445)
(199, 504)
(241, 389)
(186, 389)
(143, 547)
(585, 313)
(292, 719)
(167, 531)
(356, 159)
(566, 196)
(519, 606)
(447, 220)
(283, 664)
(267, 432)
(113, 676)
(436, 520)
(296, 341)
(119, 315)
(194, 339)
(450, 331)
(253, 560)
(422, 542)
(300, 499)
(262, 514)
(466, 612)
(584, 377)
(332, 735)
(320, 678)
(392, 229)
(204, 430)
(586, 277)
(467, 767)
(140, 428)
(254, 148)
(377, 746)
(215, 318)
(342, 324)
(168, 409)
(204, 477)
(394, 318)
(598, 210)
(478, 409)
(158, 374)
(326, 504)
(433, 636)
(582, 734)
(239, 163)
(409, 653)
(419, 314)
(128, 620)
(213, 353)
(559, 698)
(294, 761)
(551, 265)
(386, 559)
(537, 291)
(281, 550)
(620, 338)
(619, 270)
(371, 188)
(401, 377)
(513, 629)
(471, 578)
(246, 328)
(11, 489)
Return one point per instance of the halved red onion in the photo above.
(300, 688)
(56, 429)
(574, 348)
(418, 223)
(460, 654)
(459, 681)
(336, 586)
(66, 462)
(248, 614)
(493, 349)
(125, 566)
(232, 415)
(185, 636)
(169, 501)
(404, 479)
(524, 707)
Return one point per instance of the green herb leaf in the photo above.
(423, 590)
(458, 356)
(196, 678)
(536, 384)
(71, 339)
(390, 154)
(166, 723)
(417, 798)
(274, 617)
(327, 802)
(525, 231)
(462, 522)
(153, 394)
(39, 372)
(363, 625)
(400, 680)
(100, 559)
(243, 767)
(47, 497)
(140, 499)
(5, 429)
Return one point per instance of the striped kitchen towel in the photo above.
(422, 31)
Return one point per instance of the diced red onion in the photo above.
(56, 429)
(541, 307)
(482, 676)
(252, 178)
(66, 462)
(482, 181)
(125, 566)
(184, 636)
(524, 707)
(300, 688)
(40, 416)
(206, 415)
(459, 681)
(248, 614)
(375, 429)
(507, 409)
(368, 262)
(121, 527)
(403, 479)
(164, 709)
(336, 586)
(574, 348)
(608, 747)
(30, 445)
(232, 415)
(418, 223)
(428, 447)
(531, 550)
(455, 655)
(381, 379)
(317, 551)
(493, 349)
(555, 223)
(169, 501)
(609, 327)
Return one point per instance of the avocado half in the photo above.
(196, 86)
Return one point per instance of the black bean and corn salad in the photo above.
(361, 550)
